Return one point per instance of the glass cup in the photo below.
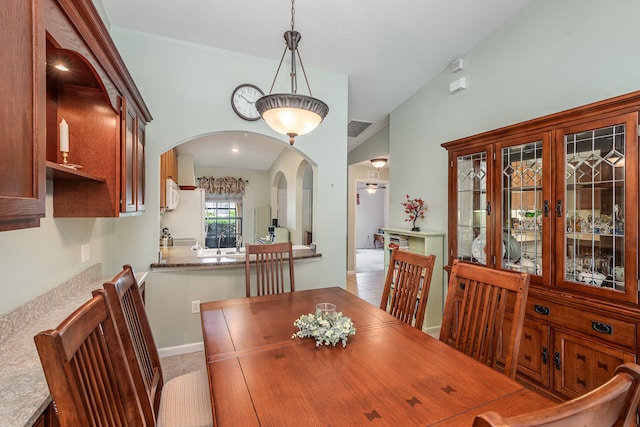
(325, 309)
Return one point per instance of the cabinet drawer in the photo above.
(596, 325)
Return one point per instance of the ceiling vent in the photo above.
(355, 128)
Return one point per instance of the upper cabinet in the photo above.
(61, 64)
(22, 134)
(105, 113)
(168, 170)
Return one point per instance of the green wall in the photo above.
(187, 88)
(555, 55)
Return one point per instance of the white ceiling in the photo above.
(389, 49)
(254, 151)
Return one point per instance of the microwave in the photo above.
(172, 196)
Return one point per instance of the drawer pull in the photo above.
(541, 309)
(603, 328)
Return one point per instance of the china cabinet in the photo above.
(557, 197)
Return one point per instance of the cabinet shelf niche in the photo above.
(57, 172)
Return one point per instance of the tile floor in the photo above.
(366, 285)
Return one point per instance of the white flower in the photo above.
(327, 330)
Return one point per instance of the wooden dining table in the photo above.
(389, 373)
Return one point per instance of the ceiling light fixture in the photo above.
(292, 114)
(378, 163)
(372, 188)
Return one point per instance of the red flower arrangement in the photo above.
(416, 209)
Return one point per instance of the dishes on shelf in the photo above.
(510, 248)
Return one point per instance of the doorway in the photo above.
(371, 217)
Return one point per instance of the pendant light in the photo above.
(292, 114)
(378, 163)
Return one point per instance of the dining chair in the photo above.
(613, 404)
(182, 401)
(269, 260)
(474, 313)
(406, 288)
(87, 371)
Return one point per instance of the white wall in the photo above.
(556, 55)
(187, 89)
(370, 216)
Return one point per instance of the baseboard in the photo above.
(181, 349)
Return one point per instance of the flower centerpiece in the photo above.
(326, 329)
(415, 208)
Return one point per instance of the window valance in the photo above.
(224, 185)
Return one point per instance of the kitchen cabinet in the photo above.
(22, 134)
(97, 98)
(424, 243)
(133, 160)
(557, 197)
(168, 170)
(104, 112)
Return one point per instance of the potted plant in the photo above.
(415, 209)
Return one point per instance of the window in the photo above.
(223, 222)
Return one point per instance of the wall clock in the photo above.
(243, 101)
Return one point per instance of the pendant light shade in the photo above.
(290, 113)
(378, 163)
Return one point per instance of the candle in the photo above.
(64, 136)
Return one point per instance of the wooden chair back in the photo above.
(612, 404)
(474, 313)
(269, 261)
(406, 288)
(86, 370)
(129, 315)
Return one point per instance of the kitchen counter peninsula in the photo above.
(177, 258)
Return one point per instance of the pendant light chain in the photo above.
(293, 12)
(292, 114)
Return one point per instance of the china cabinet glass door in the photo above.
(598, 222)
(473, 207)
(525, 210)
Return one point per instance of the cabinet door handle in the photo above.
(541, 309)
(603, 328)
(544, 355)
(545, 208)
(559, 208)
(556, 360)
(488, 208)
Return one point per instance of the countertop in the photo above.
(175, 258)
(24, 394)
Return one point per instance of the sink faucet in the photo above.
(220, 237)
(238, 244)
